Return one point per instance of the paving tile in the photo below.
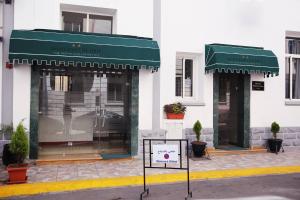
(46, 173)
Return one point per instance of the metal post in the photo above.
(180, 153)
(144, 171)
(150, 153)
(188, 167)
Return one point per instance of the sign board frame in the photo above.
(258, 85)
(181, 167)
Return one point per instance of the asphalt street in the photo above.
(272, 187)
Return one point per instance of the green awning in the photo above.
(50, 47)
(240, 59)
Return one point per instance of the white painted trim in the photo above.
(87, 22)
(185, 103)
(88, 9)
(197, 87)
(293, 55)
(292, 102)
(68, 8)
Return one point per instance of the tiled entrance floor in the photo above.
(133, 167)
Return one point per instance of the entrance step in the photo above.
(75, 159)
(68, 158)
(220, 152)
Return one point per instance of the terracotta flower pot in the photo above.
(175, 116)
(17, 173)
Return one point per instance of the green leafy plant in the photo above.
(19, 143)
(176, 108)
(197, 129)
(275, 129)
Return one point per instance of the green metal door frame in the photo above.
(246, 110)
(34, 116)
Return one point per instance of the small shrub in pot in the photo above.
(274, 144)
(198, 146)
(19, 147)
(275, 128)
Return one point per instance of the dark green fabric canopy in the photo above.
(50, 47)
(240, 59)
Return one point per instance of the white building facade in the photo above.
(107, 111)
(187, 26)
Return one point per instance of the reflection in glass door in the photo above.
(231, 108)
(83, 114)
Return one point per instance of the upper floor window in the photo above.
(184, 77)
(292, 67)
(85, 22)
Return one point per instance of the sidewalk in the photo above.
(129, 172)
(134, 167)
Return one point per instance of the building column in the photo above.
(34, 116)
(134, 112)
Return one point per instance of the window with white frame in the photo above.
(85, 22)
(292, 68)
(184, 80)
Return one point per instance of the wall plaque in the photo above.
(258, 85)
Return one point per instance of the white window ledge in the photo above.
(292, 102)
(193, 103)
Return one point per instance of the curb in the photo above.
(63, 186)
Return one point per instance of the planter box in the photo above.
(17, 174)
(173, 128)
(175, 116)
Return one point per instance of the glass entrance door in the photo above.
(231, 108)
(83, 114)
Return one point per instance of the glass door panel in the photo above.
(83, 114)
(231, 98)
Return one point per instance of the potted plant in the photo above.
(274, 144)
(198, 146)
(174, 111)
(7, 156)
(19, 148)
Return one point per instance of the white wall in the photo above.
(21, 95)
(145, 99)
(188, 25)
(134, 17)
